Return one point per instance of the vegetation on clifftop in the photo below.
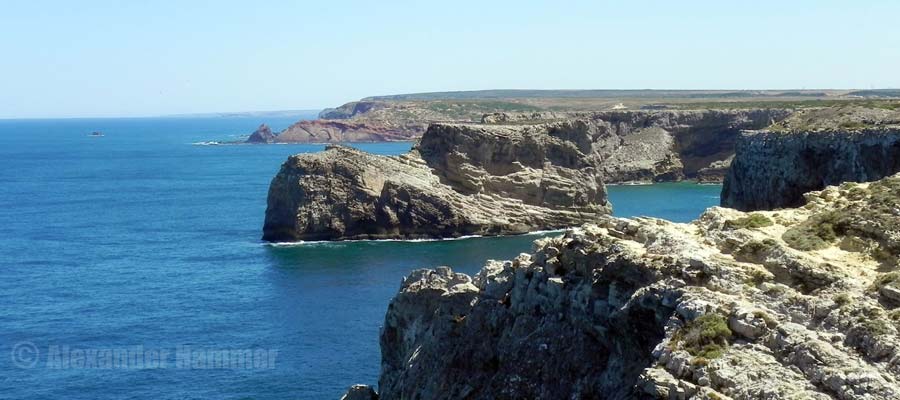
(868, 213)
(751, 221)
(706, 336)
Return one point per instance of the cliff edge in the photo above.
(458, 180)
(652, 146)
(774, 167)
(798, 303)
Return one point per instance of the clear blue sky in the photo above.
(114, 58)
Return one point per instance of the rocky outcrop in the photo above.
(773, 168)
(653, 146)
(645, 146)
(343, 131)
(730, 306)
(715, 172)
(263, 134)
(458, 180)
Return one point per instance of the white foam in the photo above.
(338, 242)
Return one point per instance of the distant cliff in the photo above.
(263, 134)
(343, 131)
(773, 168)
(459, 180)
(653, 146)
(634, 145)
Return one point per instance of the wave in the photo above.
(465, 237)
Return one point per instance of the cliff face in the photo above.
(809, 151)
(341, 131)
(635, 145)
(352, 109)
(661, 145)
(797, 303)
(459, 180)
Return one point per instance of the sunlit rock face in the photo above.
(794, 303)
(458, 180)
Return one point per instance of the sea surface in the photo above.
(131, 266)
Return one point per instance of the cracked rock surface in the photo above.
(730, 306)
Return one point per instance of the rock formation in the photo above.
(651, 145)
(633, 145)
(458, 180)
(263, 134)
(799, 303)
(812, 149)
(654, 146)
(342, 131)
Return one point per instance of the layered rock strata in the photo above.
(812, 149)
(342, 131)
(458, 180)
(650, 146)
(799, 303)
(634, 145)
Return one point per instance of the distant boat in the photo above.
(96, 134)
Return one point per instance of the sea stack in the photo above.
(459, 180)
(263, 134)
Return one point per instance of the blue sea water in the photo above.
(140, 240)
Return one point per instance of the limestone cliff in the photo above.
(342, 131)
(635, 145)
(458, 180)
(653, 146)
(773, 168)
(800, 303)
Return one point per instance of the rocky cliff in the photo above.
(799, 303)
(633, 145)
(812, 149)
(343, 131)
(263, 134)
(653, 146)
(458, 180)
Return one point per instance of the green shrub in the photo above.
(842, 299)
(816, 233)
(890, 278)
(706, 337)
(755, 248)
(751, 221)
(875, 327)
(756, 276)
(857, 193)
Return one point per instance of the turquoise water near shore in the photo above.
(142, 240)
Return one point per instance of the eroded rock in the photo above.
(263, 134)
(773, 168)
(644, 308)
(458, 180)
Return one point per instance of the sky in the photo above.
(114, 58)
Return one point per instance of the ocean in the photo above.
(132, 266)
